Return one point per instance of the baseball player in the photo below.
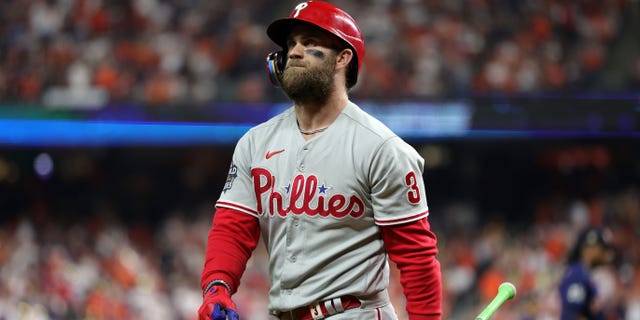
(578, 293)
(331, 191)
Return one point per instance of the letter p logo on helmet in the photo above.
(299, 8)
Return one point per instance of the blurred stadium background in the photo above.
(118, 120)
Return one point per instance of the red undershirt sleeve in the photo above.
(232, 238)
(412, 246)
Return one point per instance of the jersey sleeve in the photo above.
(413, 247)
(232, 238)
(237, 193)
(397, 190)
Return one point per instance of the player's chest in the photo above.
(324, 157)
(312, 178)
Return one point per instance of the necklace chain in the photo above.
(310, 132)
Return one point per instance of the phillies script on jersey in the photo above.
(302, 193)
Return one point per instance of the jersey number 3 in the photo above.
(413, 195)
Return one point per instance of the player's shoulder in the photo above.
(379, 136)
(265, 128)
(367, 123)
(274, 121)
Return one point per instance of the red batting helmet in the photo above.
(326, 16)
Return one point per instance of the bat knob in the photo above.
(508, 289)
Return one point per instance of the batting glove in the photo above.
(217, 305)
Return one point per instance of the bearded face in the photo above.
(305, 83)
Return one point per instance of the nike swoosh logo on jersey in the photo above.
(273, 153)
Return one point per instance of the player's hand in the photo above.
(217, 305)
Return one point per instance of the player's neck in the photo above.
(313, 117)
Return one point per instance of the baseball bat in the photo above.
(506, 291)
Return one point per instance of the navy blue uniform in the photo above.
(577, 293)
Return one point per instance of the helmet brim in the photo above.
(279, 30)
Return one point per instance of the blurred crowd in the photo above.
(121, 234)
(94, 52)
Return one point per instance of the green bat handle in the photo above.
(506, 291)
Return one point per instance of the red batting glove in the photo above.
(217, 305)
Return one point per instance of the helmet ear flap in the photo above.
(275, 66)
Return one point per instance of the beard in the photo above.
(309, 85)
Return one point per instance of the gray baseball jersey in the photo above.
(320, 202)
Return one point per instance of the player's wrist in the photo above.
(214, 283)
